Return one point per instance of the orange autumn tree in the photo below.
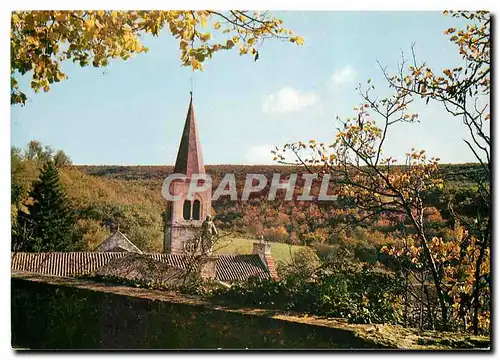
(464, 92)
(375, 183)
(456, 261)
(41, 40)
(372, 181)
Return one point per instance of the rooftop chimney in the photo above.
(263, 249)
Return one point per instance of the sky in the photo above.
(132, 112)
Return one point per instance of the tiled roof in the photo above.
(229, 267)
(62, 264)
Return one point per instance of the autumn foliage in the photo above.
(42, 40)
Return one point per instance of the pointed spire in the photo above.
(189, 158)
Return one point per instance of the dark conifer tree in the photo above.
(50, 222)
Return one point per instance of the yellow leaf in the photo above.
(89, 22)
(205, 37)
(217, 25)
(61, 16)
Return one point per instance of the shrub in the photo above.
(303, 264)
(366, 253)
(363, 296)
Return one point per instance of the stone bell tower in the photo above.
(184, 217)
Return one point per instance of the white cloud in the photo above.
(288, 99)
(344, 75)
(260, 155)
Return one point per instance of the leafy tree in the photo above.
(373, 181)
(464, 92)
(456, 262)
(37, 152)
(317, 236)
(61, 159)
(16, 186)
(16, 165)
(49, 224)
(25, 169)
(41, 40)
(303, 264)
(23, 173)
(376, 184)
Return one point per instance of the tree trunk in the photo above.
(406, 301)
(436, 280)
(430, 260)
(421, 315)
(429, 309)
(477, 280)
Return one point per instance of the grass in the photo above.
(241, 245)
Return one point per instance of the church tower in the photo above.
(184, 217)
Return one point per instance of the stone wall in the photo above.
(60, 316)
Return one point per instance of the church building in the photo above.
(184, 217)
(185, 227)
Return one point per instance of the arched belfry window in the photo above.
(186, 210)
(196, 209)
